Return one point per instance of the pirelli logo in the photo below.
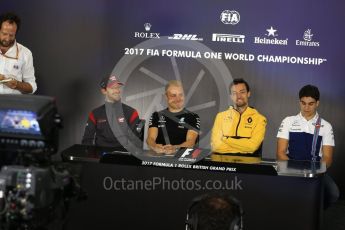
(228, 38)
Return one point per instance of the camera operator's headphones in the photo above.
(192, 216)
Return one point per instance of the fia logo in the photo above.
(231, 17)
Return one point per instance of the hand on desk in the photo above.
(165, 149)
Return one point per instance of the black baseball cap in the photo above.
(110, 81)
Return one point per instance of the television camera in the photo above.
(33, 188)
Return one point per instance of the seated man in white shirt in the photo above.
(308, 137)
(17, 74)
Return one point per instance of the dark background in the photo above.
(76, 43)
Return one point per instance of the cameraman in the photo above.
(215, 212)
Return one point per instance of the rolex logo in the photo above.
(147, 26)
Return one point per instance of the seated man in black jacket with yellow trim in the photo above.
(239, 131)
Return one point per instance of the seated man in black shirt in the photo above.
(175, 126)
(113, 124)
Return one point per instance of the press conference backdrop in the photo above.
(277, 46)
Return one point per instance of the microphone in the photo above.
(140, 125)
